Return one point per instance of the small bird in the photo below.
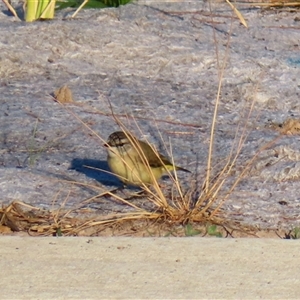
(135, 162)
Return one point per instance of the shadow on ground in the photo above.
(95, 169)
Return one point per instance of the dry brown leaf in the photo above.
(5, 230)
(63, 95)
(289, 126)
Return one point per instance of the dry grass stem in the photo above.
(239, 15)
(79, 8)
(11, 9)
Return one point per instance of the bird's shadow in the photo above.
(96, 169)
(99, 170)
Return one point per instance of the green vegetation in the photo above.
(90, 3)
(43, 9)
(294, 234)
(212, 230)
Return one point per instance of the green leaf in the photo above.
(66, 4)
(296, 233)
(90, 4)
(212, 230)
(190, 231)
(58, 232)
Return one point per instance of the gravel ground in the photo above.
(158, 63)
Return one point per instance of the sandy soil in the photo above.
(159, 61)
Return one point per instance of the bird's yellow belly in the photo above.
(134, 173)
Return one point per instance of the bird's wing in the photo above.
(154, 162)
(152, 157)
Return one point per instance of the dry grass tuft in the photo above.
(19, 216)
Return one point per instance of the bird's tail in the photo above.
(182, 169)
